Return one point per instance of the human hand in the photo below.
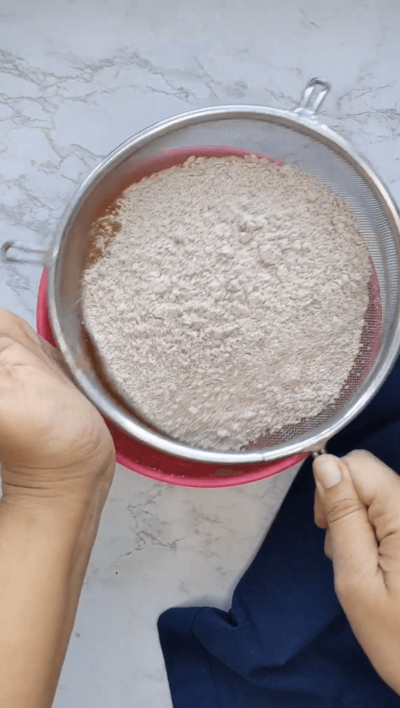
(358, 502)
(57, 463)
(53, 442)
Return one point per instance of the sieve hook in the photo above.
(313, 96)
(19, 252)
(318, 453)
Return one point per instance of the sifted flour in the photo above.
(229, 298)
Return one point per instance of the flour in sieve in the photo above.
(230, 299)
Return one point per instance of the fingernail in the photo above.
(327, 471)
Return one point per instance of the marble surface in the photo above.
(77, 77)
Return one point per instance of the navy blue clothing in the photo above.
(286, 642)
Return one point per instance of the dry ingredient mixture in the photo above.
(229, 298)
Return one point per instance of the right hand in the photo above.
(358, 502)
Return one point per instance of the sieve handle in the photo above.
(19, 252)
(313, 97)
(317, 453)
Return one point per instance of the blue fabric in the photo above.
(286, 642)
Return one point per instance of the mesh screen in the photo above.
(320, 157)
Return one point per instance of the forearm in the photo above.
(44, 551)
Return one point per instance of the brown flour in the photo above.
(231, 299)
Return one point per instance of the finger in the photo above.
(378, 487)
(321, 522)
(328, 546)
(55, 356)
(319, 513)
(15, 329)
(353, 543)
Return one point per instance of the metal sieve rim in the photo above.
(303, 120)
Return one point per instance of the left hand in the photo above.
(52, 440)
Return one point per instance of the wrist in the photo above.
(45, 548)
(81, 487)
(65, 521)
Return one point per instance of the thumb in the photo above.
(353, 544)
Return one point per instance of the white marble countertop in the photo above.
(77, 77)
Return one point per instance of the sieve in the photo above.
(296, 137)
